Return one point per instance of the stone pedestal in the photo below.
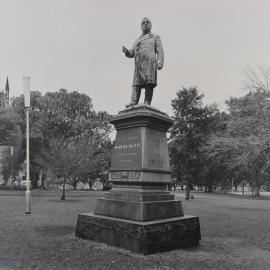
(139, 214)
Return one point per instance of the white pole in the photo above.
(28, 192)
(26, 82)
(12, 164)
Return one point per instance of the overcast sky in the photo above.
(76, 44)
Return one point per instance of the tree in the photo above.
(7, 124)
(10, 136)
(243, 149)
(67, 136)
(71, 134)
(256, 79)
(35, 130)
(193, 122)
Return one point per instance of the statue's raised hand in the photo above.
(124, 49)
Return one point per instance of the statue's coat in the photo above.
(148, 53)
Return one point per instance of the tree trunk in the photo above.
(90, 183)
(74, 182)
(257, 191)
(34, 181)
(42, 180)
(187, 193)
(63, 197)
(243, 188)
(210, 188)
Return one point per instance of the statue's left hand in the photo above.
(159, 66)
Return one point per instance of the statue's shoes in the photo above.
(130, 104)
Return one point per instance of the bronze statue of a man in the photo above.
(149, 57)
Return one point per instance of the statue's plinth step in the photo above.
(139, 211)
(140, 237)
(142, 196)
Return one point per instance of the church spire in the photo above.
(7, 93)
(7, 86)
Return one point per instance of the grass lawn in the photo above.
(235, 235)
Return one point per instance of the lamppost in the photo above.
(26, 86)
(12, 164)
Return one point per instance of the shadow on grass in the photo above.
(64, 201)
(55, 230)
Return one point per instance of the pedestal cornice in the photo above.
(142, 116)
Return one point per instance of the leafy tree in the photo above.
(9, 120)
(36, 136)
(193, 122)
(71, 135)
(243, 149)
(10, 136)
(66, 135)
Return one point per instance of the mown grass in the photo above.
(235, 235)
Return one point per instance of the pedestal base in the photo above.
(139, 211)
(140, 237)
(139, 214)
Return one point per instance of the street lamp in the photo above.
(26, 86)
(12, 164)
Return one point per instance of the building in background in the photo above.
(4, 102)
(4, 96)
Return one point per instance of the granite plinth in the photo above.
(139, 214)
(140, 153)
(139, 211)
(142, 115)
(140, 196)
(140, 237)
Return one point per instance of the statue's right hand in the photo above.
(124, 49)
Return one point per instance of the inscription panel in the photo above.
(127, 150)
(125, 175)
(156, 154)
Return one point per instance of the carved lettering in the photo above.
(127, 146)
(125, 174)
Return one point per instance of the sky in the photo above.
(76, 45)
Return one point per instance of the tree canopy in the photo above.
(243, 148)
(67, 135)
(193, 122)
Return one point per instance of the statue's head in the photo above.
(146, 25)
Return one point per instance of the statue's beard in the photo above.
(146, 29)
